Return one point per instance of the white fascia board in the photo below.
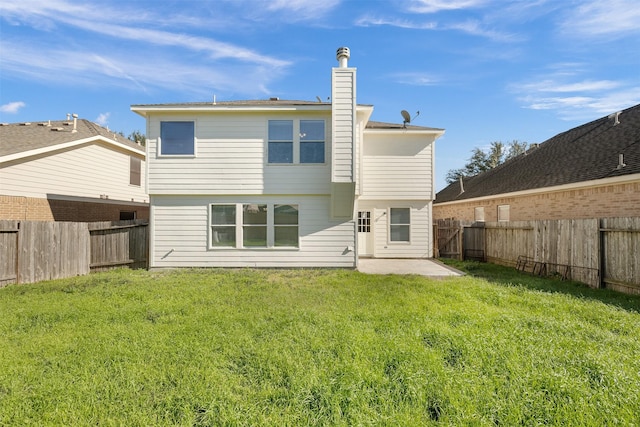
(144, 111)
(62, 146)
(364, 112)
(624, 179)
(436, 132)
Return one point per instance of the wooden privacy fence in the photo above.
(31, 251)
(598, 252)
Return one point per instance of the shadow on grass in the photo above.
(508, 276)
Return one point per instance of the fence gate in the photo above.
(448, 233)
(473, 242)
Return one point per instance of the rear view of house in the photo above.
(282, 183)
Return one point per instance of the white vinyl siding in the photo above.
(344, 110)
(421, 245)
(181, 233)
(231, 159)
(397, 168)
(89, 170)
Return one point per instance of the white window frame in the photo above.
(478, 214)
(195, 140)
(296, 141)
(239, 227)
(398, 242)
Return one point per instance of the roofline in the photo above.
(423, 131)
(143, 110)
(635, 177)
(61, 146)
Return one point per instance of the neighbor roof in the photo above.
(26, 137)
(585, 153)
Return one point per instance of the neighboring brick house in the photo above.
(591, 171)
(72, 170)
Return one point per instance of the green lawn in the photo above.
(317, 347)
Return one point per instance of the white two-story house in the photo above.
(280, 183)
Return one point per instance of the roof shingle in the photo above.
(20, 137)
(587, 152)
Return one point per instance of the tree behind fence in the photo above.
(31, 251)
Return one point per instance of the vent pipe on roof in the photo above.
(68, 116)
(461, 185)
(342, 55)
(616, 117)
(75, 123)
(621, 162)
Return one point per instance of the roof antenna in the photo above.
(407, 117)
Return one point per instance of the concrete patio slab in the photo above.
(423, 267)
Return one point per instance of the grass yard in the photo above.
(317, 347)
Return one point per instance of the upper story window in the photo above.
(280, 141)
(311, 141)
(177, 138)
(134, 171)
(296, 141)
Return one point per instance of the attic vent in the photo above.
(4, 124)
(275, 98)
(57, 129)
(26, 124)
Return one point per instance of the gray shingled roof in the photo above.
(382, 125)
(584, 153)
(239, 103)
(19, 137)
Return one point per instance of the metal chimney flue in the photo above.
(343, 54)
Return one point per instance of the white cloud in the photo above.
(103, 119)
(367, 21)
(574, 98)
(434, 6)
(596, 18)
(416, 79)
(12, 107)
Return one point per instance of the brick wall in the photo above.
(618, 200)
(33, 209)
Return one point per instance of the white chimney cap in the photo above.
(343, 54)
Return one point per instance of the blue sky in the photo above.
(484, 70)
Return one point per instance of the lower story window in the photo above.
(223, 225)
(250, 225)
(285, 225)
(400, 224)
